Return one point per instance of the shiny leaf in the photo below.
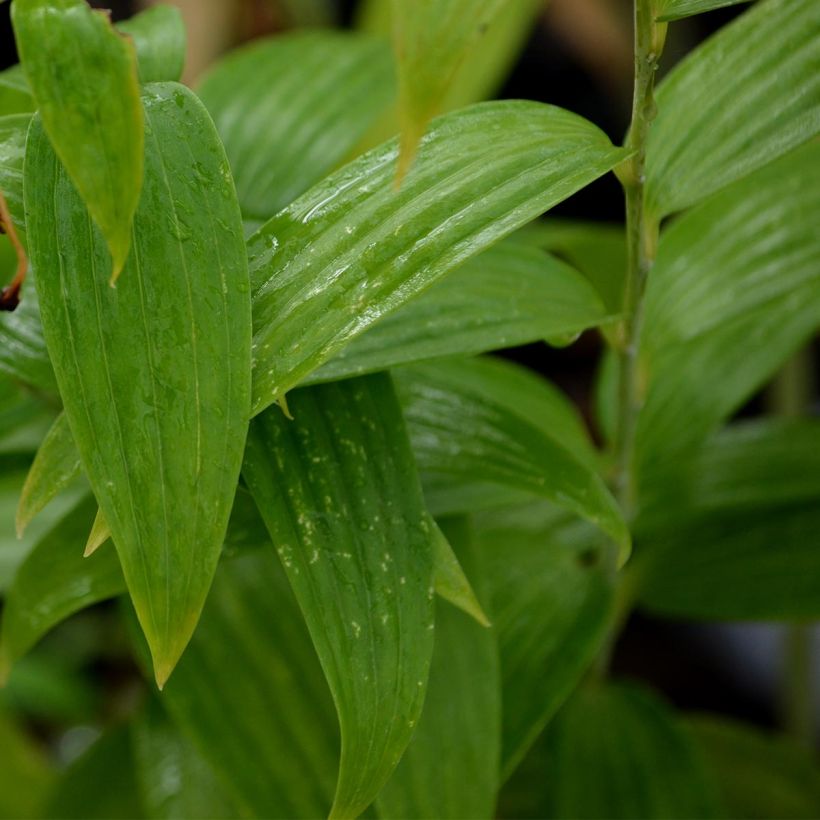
(353, 249)
(677, 9)
(510, 295)
(159, 39)
(466, 426)
(13, 130)
(154, 374)
(291, 108)
(84, 79)
(551, 602)
(338, 491)
(762, 70)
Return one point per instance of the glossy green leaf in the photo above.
(291, 108)
(250, 691)
(762, 70)
(353, 249)
(24, 773)
(154, 374)
(338, 491)
(759, 775)
(173, 779)
(678, 9)
(13, 128)
(735, 291)
(466, 425)
(617, 751)
(53, 582)
(450, 768)
(510, 295)
(55, 466)
(160, 42)
(84, 79)
(551, 602)
(15, 95)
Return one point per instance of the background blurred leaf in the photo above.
(762, 70)
(88, 99)
(677, 9)
(160, 41)
(353, 249)
(338, 491)
(24, 773)
(15, 94)
(155, 373)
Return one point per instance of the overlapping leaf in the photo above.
(763, 70)
(83, 76)
(13, 128)
(154, 374)
(551, 602)
(291, 108)
(510, 295)
(677, 9)
(468, 427)
(159, 39)
(353, 249)
(15, 95)
(339, 493)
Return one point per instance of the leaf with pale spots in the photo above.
(339, 493)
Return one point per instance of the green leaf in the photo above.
(353, 249)
(55, 466)
(159, 39)
(53, 582)
(619, 752)
(84, 79)
(759, 775)
(450, 768)
(474, 310)
(551, 603)
(24, 773)
(15, 95)
(472, 421)
(173, 779)
(291, 108)
(338, 491)
(710, 340)
(154, 374)
(100, 533)
(250, 690)
(678, 9)
(762, 70)
(430, 39)
(13, 128)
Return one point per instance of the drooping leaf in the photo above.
(759, 775)
(55, 466)
(159, 39)
(250, 694)
(154, 374)
(83, 75)
(617, 751)
(450, 768)
(24, 773)
(551, 602)
(53, 582)
(510, 295)
(338, 491)
(15, 95)
(173, 779)
(467, 426)
(678, 9)
(762, 70)
(291, 108)
(734, 292)
(353, 249)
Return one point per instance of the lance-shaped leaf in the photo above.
(339, 493)
(617, 751)
(450, 768)
(15, 94)
(709, 340)
(466, 427)
(291, 108)
(83, 75)
(250, 694)
(53, 582)
(159, 39)
(551, 601)
(430, 39)
(762, 70)
(512, 294)
(154, 374)
(353, 249)
(678, 9)
(55, 466)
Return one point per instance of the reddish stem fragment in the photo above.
(10, 295)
